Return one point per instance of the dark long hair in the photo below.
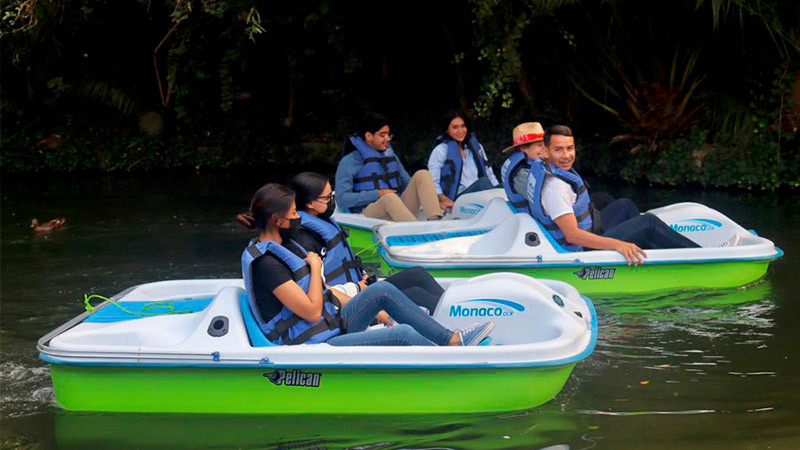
(445, 124)
(307, 187)
(452, 114)
(270, 200)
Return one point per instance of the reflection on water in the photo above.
(529, 430)
(692, 369)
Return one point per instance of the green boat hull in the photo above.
(343, 391)
(361, 242)
(621, 279)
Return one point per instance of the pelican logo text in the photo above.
(694, 225)
(471, 208)
(486, 307)
(595, 273)
(294, 378)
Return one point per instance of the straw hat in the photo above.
(525, 133)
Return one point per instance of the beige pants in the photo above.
(420, 193)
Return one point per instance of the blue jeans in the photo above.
(649, 232)
(481, 184)
(415, 327)
(616, 212)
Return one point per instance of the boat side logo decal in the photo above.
(487, 307)
(471, 208)
(595, 273)
(694, 225)
(294, 378)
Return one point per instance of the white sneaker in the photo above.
(734, 241)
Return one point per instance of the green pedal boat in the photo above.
(192, 346)
(499, 240)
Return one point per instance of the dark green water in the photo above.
(691, 370)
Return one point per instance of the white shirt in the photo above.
(469, 171)
(558, 198)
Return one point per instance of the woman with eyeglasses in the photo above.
(320, 234)
(292, 304)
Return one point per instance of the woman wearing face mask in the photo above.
(320, 234)
(292, 305)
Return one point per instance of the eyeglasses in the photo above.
(326, 198)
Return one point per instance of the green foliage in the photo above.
(693, 160)
(238, 83)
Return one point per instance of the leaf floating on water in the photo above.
(644, 382)
(664, 366)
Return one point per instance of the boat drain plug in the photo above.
(218, 326)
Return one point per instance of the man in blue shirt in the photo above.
(371, 180)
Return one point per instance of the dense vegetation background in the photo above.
(670, 91)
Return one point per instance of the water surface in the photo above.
(714, 369)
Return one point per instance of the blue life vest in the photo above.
(341, 265)
(519, 202)
(287, 328)
(381, 170)
(582, 207)
(450, 174)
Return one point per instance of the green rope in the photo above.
(364, 250)
(152, 305)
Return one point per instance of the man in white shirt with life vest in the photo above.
(559, 200)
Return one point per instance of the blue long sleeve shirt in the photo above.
(349, 200)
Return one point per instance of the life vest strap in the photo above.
(550, 226)
(330, 322)
(296, 275)
(344, 268)
(586, 214)
(282, 328)
(336, 240)
(375, 178)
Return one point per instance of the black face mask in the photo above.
(291, 232)
(328, 211)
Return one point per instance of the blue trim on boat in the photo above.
(254, 333)
(424, 238)
(255, 365)
(558, 248)
(576, 263)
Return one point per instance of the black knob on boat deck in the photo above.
(559, 301)
(531, 239)
(218, 326)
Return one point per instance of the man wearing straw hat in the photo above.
(527, 145)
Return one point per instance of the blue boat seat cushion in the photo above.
(257, 338)
(415, 239)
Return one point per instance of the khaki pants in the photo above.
(420, 193)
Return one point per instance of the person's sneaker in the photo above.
(734, 241)
(476, 333)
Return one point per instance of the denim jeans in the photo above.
(419, 286)
(616, 212)
(649, 232)
(417, 327)
(481, 184)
